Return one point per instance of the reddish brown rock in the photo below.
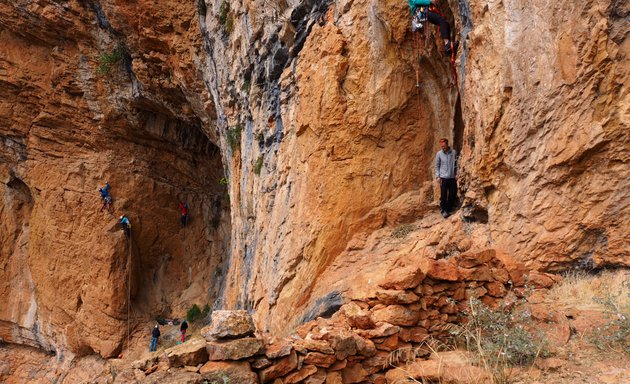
(334, 378)
(192, 352)
(396, 297)
(344, 344)
(260, 363)
(403, 278)
(388, 343)
(322, 346)
(382, 329)
(300, 375)
(365, 347)
(234, 349)
(319, 359)
(318, 377)
(339, 365)
(397, 315)
(540, 280)
(496, 289)
(357, 317)
(413, 334)
(354, 374)
(231, 324)
(443, 270)
(280, 368)
(470, 260)
(234, 372)
(481, 273)
(278, 349)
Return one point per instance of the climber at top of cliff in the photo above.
(423, 11)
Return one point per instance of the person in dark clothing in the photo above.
(183, 208)
(446, 172)
(155, 335)
(182, 329)
(126, 224)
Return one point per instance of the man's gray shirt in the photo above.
(446, 164)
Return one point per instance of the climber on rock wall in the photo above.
(422, 11)
(106, 198)
(183, 208)
(126, 224)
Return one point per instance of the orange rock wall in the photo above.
(324, 119)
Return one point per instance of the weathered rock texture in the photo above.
(66, 128)
(324, 119)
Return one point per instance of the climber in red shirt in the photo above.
(183, 207)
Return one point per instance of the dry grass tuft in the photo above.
(583, 290)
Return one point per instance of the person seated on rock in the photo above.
(126, 224)
(422, 11)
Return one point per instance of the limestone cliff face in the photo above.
(324, 118)
(546, 141)
(67, 127)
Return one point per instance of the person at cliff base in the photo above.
(422, 11)
(182, 329)
(183, 208)
(126, 224)
(155, 335)
(446, 173)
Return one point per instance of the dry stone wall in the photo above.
(357, 343)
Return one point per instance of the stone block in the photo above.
(229, 324)
(235, 349)
(231, 372)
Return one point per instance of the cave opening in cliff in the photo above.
(174, 263)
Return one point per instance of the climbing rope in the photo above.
(128, 290)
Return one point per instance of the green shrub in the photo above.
(247, 85)
(229, 24)
(108, 59)
(224, 10)
(499, 338)
(193, 313)
(224, 181)
(258, 165)
(234, 137)
(615, 335)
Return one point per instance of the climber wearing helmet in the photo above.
(124, 221)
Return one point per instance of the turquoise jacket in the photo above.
(413, 4)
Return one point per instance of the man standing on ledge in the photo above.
(446, 172)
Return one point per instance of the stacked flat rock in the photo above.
(229, 336)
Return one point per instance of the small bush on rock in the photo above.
(499, 338)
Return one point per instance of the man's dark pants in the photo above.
(448, 194)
